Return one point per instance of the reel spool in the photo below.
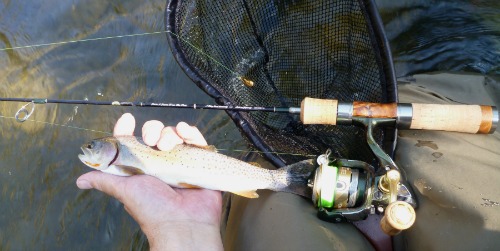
(342, 189)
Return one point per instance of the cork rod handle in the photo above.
(444, 117)
(319, 111)
(457, 118)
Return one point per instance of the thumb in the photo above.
(106, 183)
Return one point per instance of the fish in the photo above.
(189, 166)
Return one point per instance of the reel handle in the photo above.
(398, 216)
(458, 118)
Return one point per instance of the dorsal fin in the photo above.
(210, 148)
(254, 164)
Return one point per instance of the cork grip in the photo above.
(319, 111)
(457, 118)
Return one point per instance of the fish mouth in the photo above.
(86, 157)
(86, 151)
(87, 154)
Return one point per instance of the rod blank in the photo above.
(458, 118)
(156, 104)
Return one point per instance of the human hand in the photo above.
(171, 218)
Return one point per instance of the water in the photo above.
(40, 205)
(445, 35)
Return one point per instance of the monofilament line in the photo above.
(82, 40)
(122, 36)
(61, 125)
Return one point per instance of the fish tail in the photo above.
(294, 178)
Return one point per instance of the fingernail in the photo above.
(83, 184)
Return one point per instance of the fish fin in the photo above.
(211, 148)
(296, 178)
(128, 170)
(93, 165)
(187, 185)
(254, 164)
(248, 194)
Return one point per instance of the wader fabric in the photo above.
(455, 176)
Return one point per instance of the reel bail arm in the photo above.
(399, 214)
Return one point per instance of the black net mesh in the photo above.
(275, 53)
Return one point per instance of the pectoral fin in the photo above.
(128, 170)
(187, 185)
(248, 194)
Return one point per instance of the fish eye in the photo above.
(89, 146)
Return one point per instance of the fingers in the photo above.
(125, 125)
(190, 134)
(165, 138)
(168, 139)
(151, 132)
(154, 133)
(107, 183)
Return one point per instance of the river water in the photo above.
(40, 206)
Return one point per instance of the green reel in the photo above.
(349, 190)
(342, 189)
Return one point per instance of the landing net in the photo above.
(275, 53)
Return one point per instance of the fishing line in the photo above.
(56, 124)
(125, 36)
(83, 40)
(24, 112)
(110, 134)
(277, 153)
(203, 53)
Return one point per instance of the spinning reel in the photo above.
(349, 190)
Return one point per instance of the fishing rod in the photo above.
(480, 119)
(155, 104)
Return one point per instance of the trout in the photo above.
(188, 166)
